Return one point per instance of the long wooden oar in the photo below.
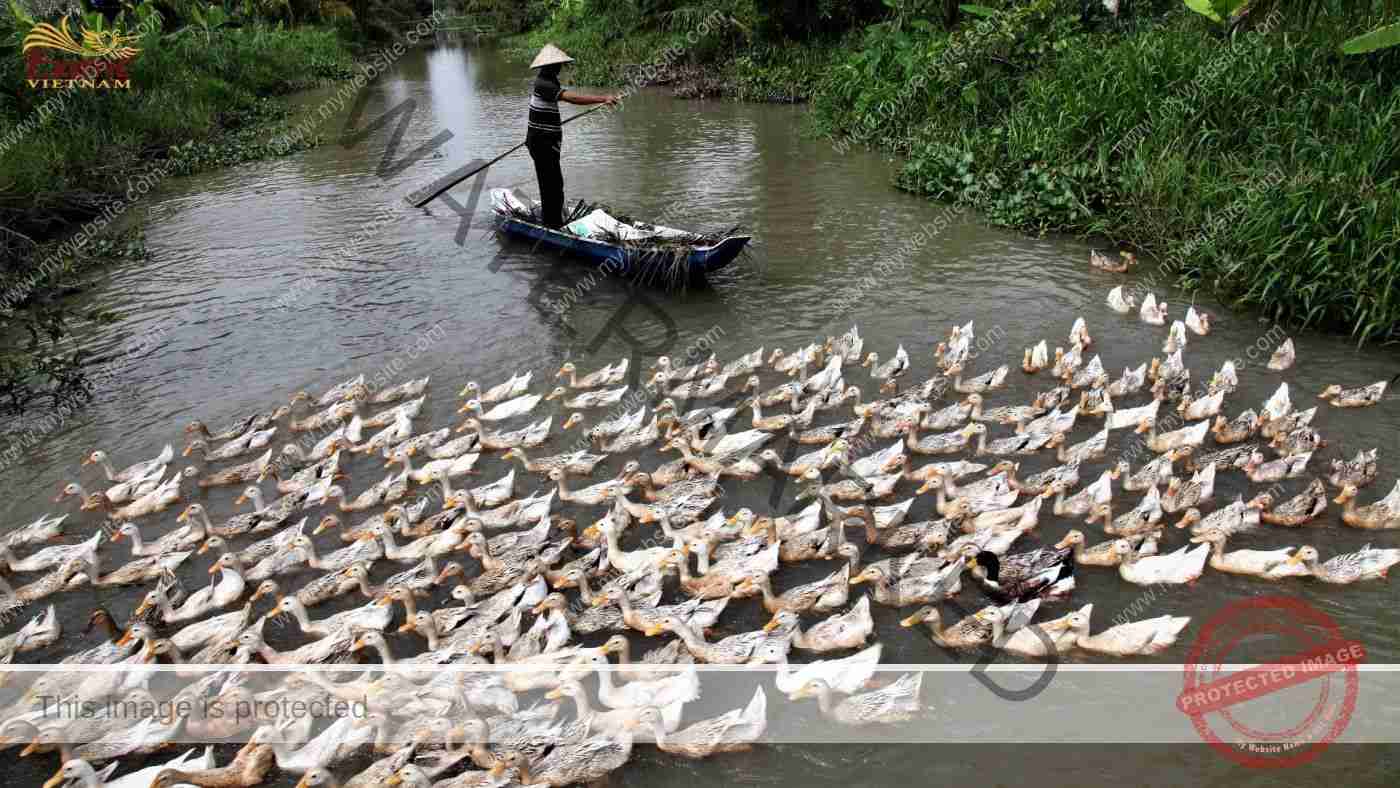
(432, 191)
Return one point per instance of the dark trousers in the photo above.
(545, 152)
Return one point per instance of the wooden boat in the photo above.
(653, 253)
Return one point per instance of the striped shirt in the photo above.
(544, 109)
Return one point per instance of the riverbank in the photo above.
(1263, 165)
(75, 159)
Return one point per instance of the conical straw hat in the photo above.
(550, 55)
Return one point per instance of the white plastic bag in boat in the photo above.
(507, 201)
(600, 225)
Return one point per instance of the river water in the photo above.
(300, 272)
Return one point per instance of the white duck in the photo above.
(222, 592)
(1079, 333)
(1283, 356)
(138, 471)
(1150, 636)
(846, 675)
(1198, 322)
(336, 742)
(49, 556)
(1119, 302)
(1036, 358)
(1225, 379)
(1278, 405)
(895, 367)
(1176, 337)
(81, 773)
(508, 409)
(1151, 312)
(1182, 566)
(411, 409)
(1193, 409)
(1190, 435)
(683, 687)
(589, 399)
(1131, 382)
(517, 384)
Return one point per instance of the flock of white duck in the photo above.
(515, 556)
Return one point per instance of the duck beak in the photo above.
(57, 779)
(1294, 560)
(407, 627)
(497, 769)
(302, 783)
(86, 461)
(538, 609)
(909, 621)
(125, 638)
(29, 749)
(214, 568)
(554, 694)
(771, 625)
(463, 409)
(653, 631)
(857, 580)
(240, 500)
(591, 532)
(384, 601)
(142, 608)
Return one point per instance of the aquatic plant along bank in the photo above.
(1196, 144)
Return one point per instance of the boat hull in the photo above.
(638, 261)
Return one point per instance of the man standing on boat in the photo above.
(543, 136)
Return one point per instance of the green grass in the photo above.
(197, 101)
(1265, 168)
(184, 89)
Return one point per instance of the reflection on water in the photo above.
(301, 272)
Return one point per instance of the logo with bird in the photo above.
(108, 44)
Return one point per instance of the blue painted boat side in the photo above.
(628, 261)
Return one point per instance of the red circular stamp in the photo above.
(1311, 686)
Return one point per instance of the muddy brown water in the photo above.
(300, 272)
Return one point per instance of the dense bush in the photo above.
(1264, 167)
